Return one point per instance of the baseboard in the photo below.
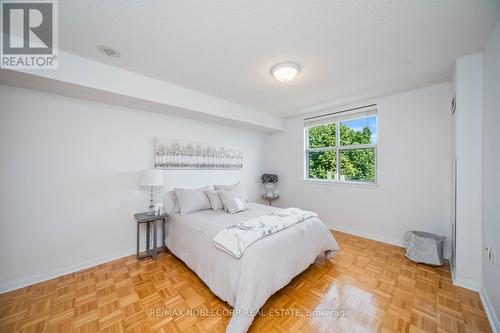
(452, 268)
(396, 242)
(37, 278)
(462, 282)
(485, 300)
(488, 308)
(467, 283)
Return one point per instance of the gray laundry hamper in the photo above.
(424, 247)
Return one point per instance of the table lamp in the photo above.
(151, 178)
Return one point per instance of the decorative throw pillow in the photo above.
(233, 202)
(214, 199)
(192, 200)
(234, 188)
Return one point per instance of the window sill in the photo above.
(341, 183)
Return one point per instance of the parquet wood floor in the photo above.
(372, 282)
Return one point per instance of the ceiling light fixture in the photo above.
(108, 51)
(285, 71)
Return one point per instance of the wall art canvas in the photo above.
(174, 154)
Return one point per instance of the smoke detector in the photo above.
(108, 51)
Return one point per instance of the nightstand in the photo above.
(270, 199)
(150, 221)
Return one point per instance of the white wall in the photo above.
(414, 164)
(491, 173)
(68, 173)
(84, 78)
(468, 123)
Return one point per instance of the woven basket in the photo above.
(424, 247)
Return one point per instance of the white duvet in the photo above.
(265, 267)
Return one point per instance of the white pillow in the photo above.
(192, 200)
(214, 199)
(174, 201)
(234, 188)
(232, 201)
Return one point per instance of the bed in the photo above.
(265, 267)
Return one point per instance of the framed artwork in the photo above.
(174, 154)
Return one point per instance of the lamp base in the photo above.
(151, 210)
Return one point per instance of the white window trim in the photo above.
(337, 148)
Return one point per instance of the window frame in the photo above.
(337, 149)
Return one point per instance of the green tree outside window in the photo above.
(356, 164)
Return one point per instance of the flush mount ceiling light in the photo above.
(285, 71)
(108, 51)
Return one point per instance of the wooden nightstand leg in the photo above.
(155, 236)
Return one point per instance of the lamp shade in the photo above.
(151, 177)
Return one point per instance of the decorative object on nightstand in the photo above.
(151, 178)
(145, 218)
(269, 181)
(270, 193)
(159, 210)
(270, 199)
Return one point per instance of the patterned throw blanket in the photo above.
(237, 238)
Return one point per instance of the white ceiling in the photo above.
(226, 48)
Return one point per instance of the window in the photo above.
(342, 148)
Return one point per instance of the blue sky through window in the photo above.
(360, 123)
